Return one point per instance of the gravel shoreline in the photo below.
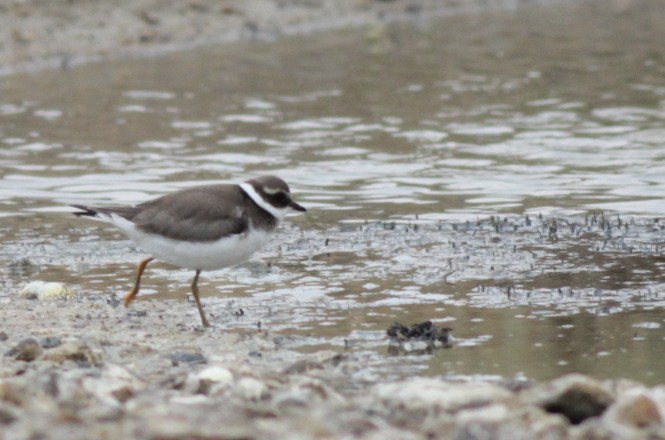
(81, 369)
(60, 33)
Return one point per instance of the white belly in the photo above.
(209, 255)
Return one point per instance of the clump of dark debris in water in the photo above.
(421, 338)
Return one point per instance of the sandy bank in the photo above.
(60, 33)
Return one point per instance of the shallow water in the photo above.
(555, 111)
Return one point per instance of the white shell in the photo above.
(44, 291)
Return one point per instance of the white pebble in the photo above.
(251, 389)
(216, 374)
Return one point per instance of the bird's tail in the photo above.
(109, 214)
(85, 211)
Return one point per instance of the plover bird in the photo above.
(201, 228)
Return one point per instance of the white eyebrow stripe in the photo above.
(251, 192)
(271, 191)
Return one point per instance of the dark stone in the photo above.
(574, 396)
(188, 358)
(27, 350)
(577, 405)
(50, 342)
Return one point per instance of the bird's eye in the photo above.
(281, 198)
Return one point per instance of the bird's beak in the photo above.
(297, 207)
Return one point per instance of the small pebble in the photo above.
(251, 389)
(216, 374)
(188, 358)
(27, 350)
(637, 410)
(50, 342)
(214, 380)
(74, 352)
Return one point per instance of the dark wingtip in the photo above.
(86, 211)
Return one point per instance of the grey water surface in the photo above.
(501, 173)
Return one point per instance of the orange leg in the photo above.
(137, 284)
(195, 292)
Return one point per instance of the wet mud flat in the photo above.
(90, 368)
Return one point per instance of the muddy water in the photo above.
(402, 141)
